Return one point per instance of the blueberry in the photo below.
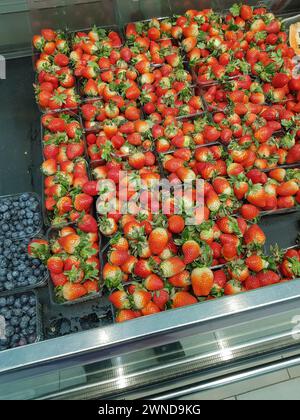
(14, 322)
(18, 303)
(2, 302)
(31, 339)
(5, 227)
(32, 300)
(9, 331)
(10, 300)
(24, 197)
(22, 342)
(24, 299)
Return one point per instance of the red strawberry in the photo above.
(267, 278)
(280, 80)
(126, 315)
(191, 251)
(161, 298)
(58, 279)
(172, 266)
(255, 236)
(158, 240)
(70, 242)
(83, 202)
(233, 287)
(256, 263)
(153, 283)
(176, 224)
(202, 281)
(55, 265)
(150, 309)
(181, 280)
(88, 224)
(252, 282)
(120, 299)
(249, 212)
(49, 167)
(75, 150)
(91, 188)
(143, 268)
(73, 291)
(257, 196)
(141, 298)
(183, 299)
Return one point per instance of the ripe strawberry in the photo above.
(181, 280)
(141, 298)
(70, 242)
(58, 279)
(202, 281)
(191, 251)
(266, 278)
(256, 263)
(212, 201)
(112, 276)
(219, 278)
(126, 315)
(143, 268)
(183, 299)
(161, 298)
(118, 257)
(228, 224)
(176, 224)
(287, 188)
(120, 299)
(252, 283)
(255, 236)
(280, 80)
(88, 224)
(290, 267)
(150, 309)
(153, 283)
(233, 287)
(257, 196)
(73, 291)
(55, 265)
(75, 150)
(83, 202)
(49, 167)
(172, 266)
(158, 240)
(137, 160)
(38, 248)
(249, 212)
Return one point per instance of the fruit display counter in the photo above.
(101, 261)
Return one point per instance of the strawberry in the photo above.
(49, 167)
(290, 267)
(137, 160)
(252, 283)
(212, 201)
(161, 298)
(172, 266)
(183, 299)
(39, 248)
(238, 270)
(158, 240)
(58, 279)
(118, 257)
(249, 212)
(257, 196)
(181, 280)
(150, 309)
(141, 298)
(83, 202)
(266, 278)
(233, 287)
(143, 268)
(287, 188)
(153, 283)
(88, 224)
(75, 150)
(91, 188)
(255, 236)
(70, 242)
(120, 299)
(112, 276)
(219, 278)
(202, 281)
(126, 315)
(176, 224)
(280, 80)
(73, 291)
(191, 251)
(55, 265)
(256, 263)
(228, 225)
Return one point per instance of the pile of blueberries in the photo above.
(19, 216)
(17, 268)
(18, 320)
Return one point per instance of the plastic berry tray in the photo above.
(42, 281)
(39, 325)
(51, 234)
(37, 229)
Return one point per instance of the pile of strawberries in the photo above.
(72, 257)
(201, 96)
(55, 81)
